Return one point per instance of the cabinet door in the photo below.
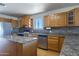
(70, 18)
(76, 17)
(60, 19)
(53, 44)
(61, 41)
(49, 21)
(14, 23)
(52, 20)
(19, 48)
(46, 21)
(30, 49)
(24, 20)
(31, 23)
(7, 48)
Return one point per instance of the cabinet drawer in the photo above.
(52, 41)
(52, 37)
(53, 47)
(53, 44)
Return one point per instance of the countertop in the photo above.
(19, 39)
(54, 34)
(70, 46)
(71, 43)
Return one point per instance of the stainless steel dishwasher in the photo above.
(43, 41)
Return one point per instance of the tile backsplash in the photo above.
(68, 30)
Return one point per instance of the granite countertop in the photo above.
(71, 43)
(70, 46)
(19, 39)
(55, 34)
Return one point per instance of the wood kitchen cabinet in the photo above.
(70, 18)
(1, 19)
(49, 20)
(19, 49)
(46, 21)
(63, 19)
(26, 20)
(52, 20)
(60, 19)
(14, 23)
(55, 20)
(30, 49)
(7, 48)
(11, 48)
(73, 17)
(55, 43)
(5, 19)
(76, 18)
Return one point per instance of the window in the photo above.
(5, 28)
(1, 28)
(38, 23)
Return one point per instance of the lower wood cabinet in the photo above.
(30, 50)
(10, 48)
(7, 48)
(19, 49)
(55, 43)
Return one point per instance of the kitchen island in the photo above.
(18, 46)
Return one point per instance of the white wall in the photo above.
(9, 17)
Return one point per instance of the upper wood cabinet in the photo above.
(25, 20)
(14, 23)
(49, 21)
(46, 21)
(55, 20)
(5, 19)
(59, 20)
(73, 17)
(70, 17)
(76, 18)
(52, 20)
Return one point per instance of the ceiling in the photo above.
(19, 9)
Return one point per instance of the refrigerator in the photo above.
(5, 28)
